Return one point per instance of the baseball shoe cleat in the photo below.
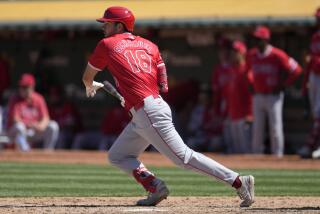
(156, 197)
(316, 153)
(246, 191)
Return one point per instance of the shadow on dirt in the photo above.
(64, 206)
(283, 209)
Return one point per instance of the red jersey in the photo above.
(314, 64)
(133, 62)
(221, 80)
(239, 97)
(29, 111)
(315, 44)
(272, 70)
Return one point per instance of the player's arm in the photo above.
(162, 78)
(88, 81)
(43, 123)
(291, 69)
(249, 74)
(14, 113)
(97, 62)
(161, 74)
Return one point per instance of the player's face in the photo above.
(261, 44)
(237, 57)
(25, 91)
(109, 29)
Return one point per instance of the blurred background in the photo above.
(53, 39)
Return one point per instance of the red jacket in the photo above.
(239, 97)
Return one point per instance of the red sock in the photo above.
(145, 178)
(237, 183)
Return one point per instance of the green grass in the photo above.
(31, 179)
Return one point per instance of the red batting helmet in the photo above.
(262, 32)
(119, 14)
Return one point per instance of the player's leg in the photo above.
(18, 134)
(312, 92)
(234, 128)
(51, 135)
(275, 105)
(247, 132)
(243, 130)
(227, 136)
(48, 137)
(124, 155)
(258, 123)
(126, 149)
(161, 133)
(315, 134)
(310, 145)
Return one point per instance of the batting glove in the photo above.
(122, 101)
(92, 90)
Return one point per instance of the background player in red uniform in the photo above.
(139, 73)
(239, 100)
(311, 84)
(29, 119)
(271, 70)
(220, 82)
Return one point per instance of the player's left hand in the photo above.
(92, 90)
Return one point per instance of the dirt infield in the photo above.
(155, 159)
(175, 205)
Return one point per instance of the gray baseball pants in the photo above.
(314, 94)
(22, 135)
(268, 106)
(152, 124)
(241, 133)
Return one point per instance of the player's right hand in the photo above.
(122, 101)
(92, 90)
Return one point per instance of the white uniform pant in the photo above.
(152, 124)
(241, 136)
(314, 94)
(49, 136)
(226, 136)
(270, 106)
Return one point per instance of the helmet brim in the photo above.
(103, 20)
(259, 36)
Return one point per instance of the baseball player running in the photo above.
(271, 70)
(312, 83)
(139, 73)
